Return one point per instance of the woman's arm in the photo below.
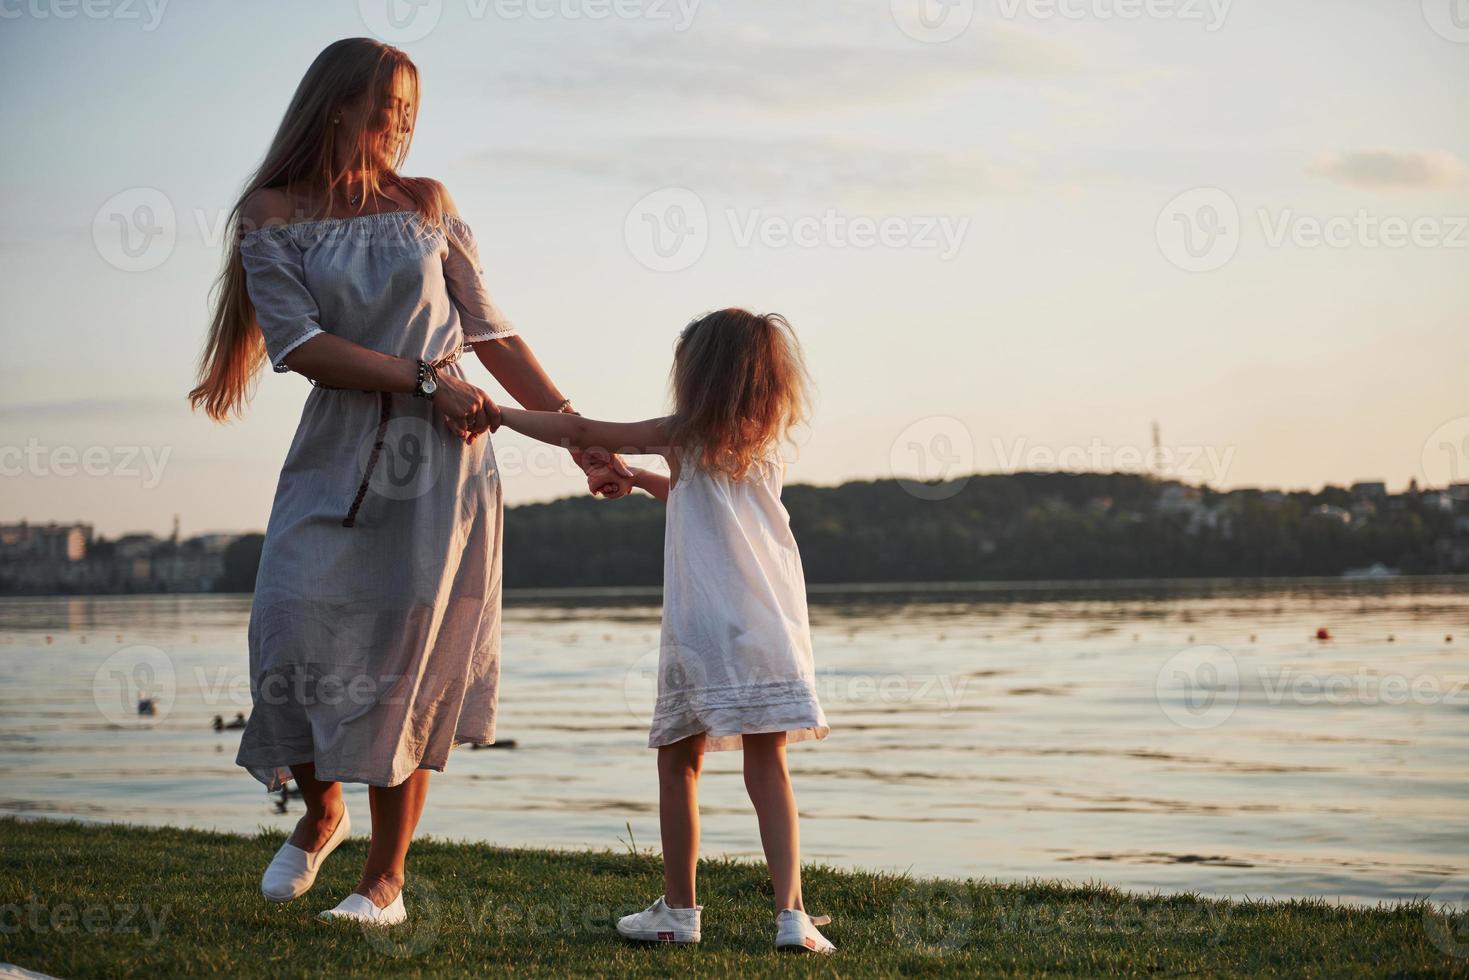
(330, 360)
(338, 363)
(509, 359)
(513, 364)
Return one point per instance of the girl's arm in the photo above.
(654, 483)
(576, 433)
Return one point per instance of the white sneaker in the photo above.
(292, 871)
(660, 924)
(360, 908)
(795, 930)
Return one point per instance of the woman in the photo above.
(375, 629)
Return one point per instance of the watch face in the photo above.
(429, 386)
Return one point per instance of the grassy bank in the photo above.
(113, 901)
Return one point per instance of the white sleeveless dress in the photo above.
(735, 654)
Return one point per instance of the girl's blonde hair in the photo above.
(300, 159)
(739, 386)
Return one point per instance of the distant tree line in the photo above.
(1025, 526)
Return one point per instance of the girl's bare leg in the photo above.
(395, 813)
(768, 782)
(323, 808)
(679, 765)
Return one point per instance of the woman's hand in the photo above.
(463, 407)
(607, 475)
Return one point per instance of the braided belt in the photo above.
(385, 412)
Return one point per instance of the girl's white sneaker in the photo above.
(660, 924)
(360, 908)
(292, 871)
(795, 930)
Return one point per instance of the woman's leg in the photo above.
(678, 818)
(395, 813)
(323, 808)
(768, 782)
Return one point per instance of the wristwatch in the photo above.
(428, 380)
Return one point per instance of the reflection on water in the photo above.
(1192, 736)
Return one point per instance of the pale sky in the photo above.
(971, 215)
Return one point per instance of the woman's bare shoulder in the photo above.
(436, 190)
(266, 206)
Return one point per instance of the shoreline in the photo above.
(817, 590)
(168, 902)
(469, 843)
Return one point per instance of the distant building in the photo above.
(1330, 512)
(1438, 500)
(49, 559)
(44, 542)
(1176, 498)
(1370, 489)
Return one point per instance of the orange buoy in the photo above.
(1323, 633)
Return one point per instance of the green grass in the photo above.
(114, 901)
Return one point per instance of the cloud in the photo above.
(753, 170)
(678, 70)
(1386, 169)
(110, 409)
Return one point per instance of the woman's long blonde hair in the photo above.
(739, 386)
(299, 162)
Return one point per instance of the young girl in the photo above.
(735, 668)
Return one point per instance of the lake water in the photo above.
(1175, 737)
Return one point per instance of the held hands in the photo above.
(607, 475)
(466, 410)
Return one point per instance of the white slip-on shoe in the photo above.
(660, 924)
(795, 930)
(360, 908)
(292, 871)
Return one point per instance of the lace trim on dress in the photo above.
(739, 695)
(279, 364)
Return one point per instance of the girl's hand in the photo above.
(462, 406)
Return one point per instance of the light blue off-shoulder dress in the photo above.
(375, 630)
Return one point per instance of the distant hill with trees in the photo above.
(1023, 526)
(1011, 527)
